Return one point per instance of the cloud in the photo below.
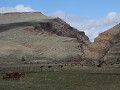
(17, 8)
(91, 26)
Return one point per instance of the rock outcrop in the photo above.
(59, 27)
(41, 23)
(105, 47)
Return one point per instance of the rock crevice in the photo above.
(104, 46)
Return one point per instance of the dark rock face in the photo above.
(42, 23)
(68, 31)
(61, 28)
(105, 47)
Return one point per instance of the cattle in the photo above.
(50, 68)
(14, 75)
(60, 66)
(41, 67)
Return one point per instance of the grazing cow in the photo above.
(14, 75)
(50, 68)
(99, 65)
(61, 66)
(41, 67)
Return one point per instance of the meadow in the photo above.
(70, 77)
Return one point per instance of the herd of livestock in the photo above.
(17, 74)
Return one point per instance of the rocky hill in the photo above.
(34, 36)
(105, 48)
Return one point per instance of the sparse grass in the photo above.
(78, 78)
(18, 43)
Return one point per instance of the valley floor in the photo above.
(69, 78)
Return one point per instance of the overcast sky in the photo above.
(91, 16)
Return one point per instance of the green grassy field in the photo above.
(70, 78)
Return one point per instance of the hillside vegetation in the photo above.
(35, 36)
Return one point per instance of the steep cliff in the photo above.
(105, 47)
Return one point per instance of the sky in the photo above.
(90, 16)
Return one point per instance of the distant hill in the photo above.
(34, 36)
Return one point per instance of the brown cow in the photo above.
(14, 75)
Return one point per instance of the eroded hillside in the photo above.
(35, 36)
(105, 48)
